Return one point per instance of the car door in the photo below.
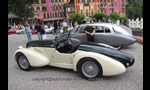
(80, 34)
(64, 60)
(103, 34)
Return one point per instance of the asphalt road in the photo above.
(52, 78)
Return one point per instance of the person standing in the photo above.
(55, 27)
(65, 26)
(90, 31)
(28, 32)
(38, 28)
(43, 33)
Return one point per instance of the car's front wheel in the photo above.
(23, 62)
(90, 68)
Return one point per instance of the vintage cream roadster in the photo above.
(91, 60)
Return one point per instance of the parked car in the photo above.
(20, 31)
(34, 31)
(107, 33)
(49, 30)
(13, 30)
(91, 60)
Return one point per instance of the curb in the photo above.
(139, 40)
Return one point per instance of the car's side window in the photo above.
(107, 30)
(99, 29)
(77, 30)
(82, 29)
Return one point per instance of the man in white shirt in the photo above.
(28, 32)
(65, 26)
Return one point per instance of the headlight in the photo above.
(20, 47)
(127, 64)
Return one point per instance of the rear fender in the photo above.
(109, 66)
(36, 59)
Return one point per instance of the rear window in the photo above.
(120, 30)
(102, 29)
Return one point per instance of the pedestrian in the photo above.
(28, 32)
(55, 27)
(43, 33)
(88, 21)
(90, 31)
(38, 28)
(108, 20)
(65, 26)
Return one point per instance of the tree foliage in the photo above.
(124, 20)
(114, 17)
(134, 8)
(21, 8)
(99, 16)
(76, 17)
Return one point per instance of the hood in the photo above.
(122, 57)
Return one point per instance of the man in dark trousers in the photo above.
(38, 28)
(55, 27)
(90, 31)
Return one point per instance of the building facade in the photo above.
(69, 8)
(57, 13)
(90, 7)
(61, 9)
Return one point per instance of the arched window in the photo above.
(92, 12)
(81, 11)
(38, 8)
(43, 1)
(44, 8)
(91, 1)
(80, 1)
(86, 2)
(44, 15)
(47, 15)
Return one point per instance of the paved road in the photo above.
(51, 78)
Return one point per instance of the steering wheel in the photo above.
(61, 42)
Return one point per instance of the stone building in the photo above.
(90, 7)
(58, 10)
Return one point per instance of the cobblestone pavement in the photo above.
(52, 78)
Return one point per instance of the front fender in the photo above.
(36, 59)
(109, 65)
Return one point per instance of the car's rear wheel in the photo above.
(23, 62)
(90, 68)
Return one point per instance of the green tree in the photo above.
(21, 8)
(99, 16)
(114, 17)
(76, 17)
(124, 20)
(134, 8)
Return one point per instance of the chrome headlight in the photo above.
(127, 64)
(20, 47)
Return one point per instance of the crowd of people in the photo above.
(58, 28)
(40, 28)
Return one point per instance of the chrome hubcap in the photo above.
(90, 69)
(23, 62)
